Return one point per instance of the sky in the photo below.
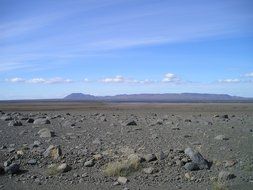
(49, 49)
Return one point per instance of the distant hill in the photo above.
(168, 97)
(79, 96)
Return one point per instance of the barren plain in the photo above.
(81, 145)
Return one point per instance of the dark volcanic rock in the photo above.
(197, 158)
(191, 166)
(12, 169)
(131, 123)
(15, 123)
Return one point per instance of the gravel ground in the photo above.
(86, 137)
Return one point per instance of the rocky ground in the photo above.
(126, 146)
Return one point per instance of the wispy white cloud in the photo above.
(15, 80)
(170, 77)
(116, 79)
(229, 80)
(55, 80)
(249, 74)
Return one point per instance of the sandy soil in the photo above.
(83, 130)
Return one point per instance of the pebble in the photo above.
(122, 180)
(89, 163)
(32, 162)
(41, 121)
(221, 137)
(150, 157)
(149, 170)
(45, 133)
(224, 175)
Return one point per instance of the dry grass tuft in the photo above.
(123, 167)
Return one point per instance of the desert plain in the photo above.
(92, 145)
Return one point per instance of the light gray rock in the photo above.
(41, 121)
(149, 170)
(89, 163)
(122, 180)
(221, 137)
(15, 123)
(62, 168)
(150, 157)
(225, 175)
(32, 162)
(45, 133)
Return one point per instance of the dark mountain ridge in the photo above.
(167, 97)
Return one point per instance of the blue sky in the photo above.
(49, 49)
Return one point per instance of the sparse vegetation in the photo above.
(248, 167)
(52, 169)
(219, 186)
(122, 168)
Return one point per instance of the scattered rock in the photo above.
(221, 137)
(197, 159)
(45, 133)
(89, 163)
(131, 123)
(6, 118)
(122, 180)
(224, 175)
(30, 120)
(15, 123)
(149, 170)
(191, 166)
(1, 170)
(41, 121)
(12, 169)
(150, 157)
(32, 162)
(53, 151)
(62, 168)
(230, 163)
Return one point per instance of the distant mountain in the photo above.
(168, 97)
(79, 96)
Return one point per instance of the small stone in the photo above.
(122, 180)
(1, 170)
(131, 123)
(41, 121)
(97, 156)
(224, 175)
(89, 163)
(190, 166)
(12, 169)
(45, 133)
(116, 183)
(7, 163)
(197, 159)
(20, 152)
(32, 162)
(221, 137)
(53, 151)
(179, 163)
(149, 170)
(230, 163)
(150, 157)
(161, 155)
(62, 168)
(15, 123)
(30, 120)
(187, 175)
